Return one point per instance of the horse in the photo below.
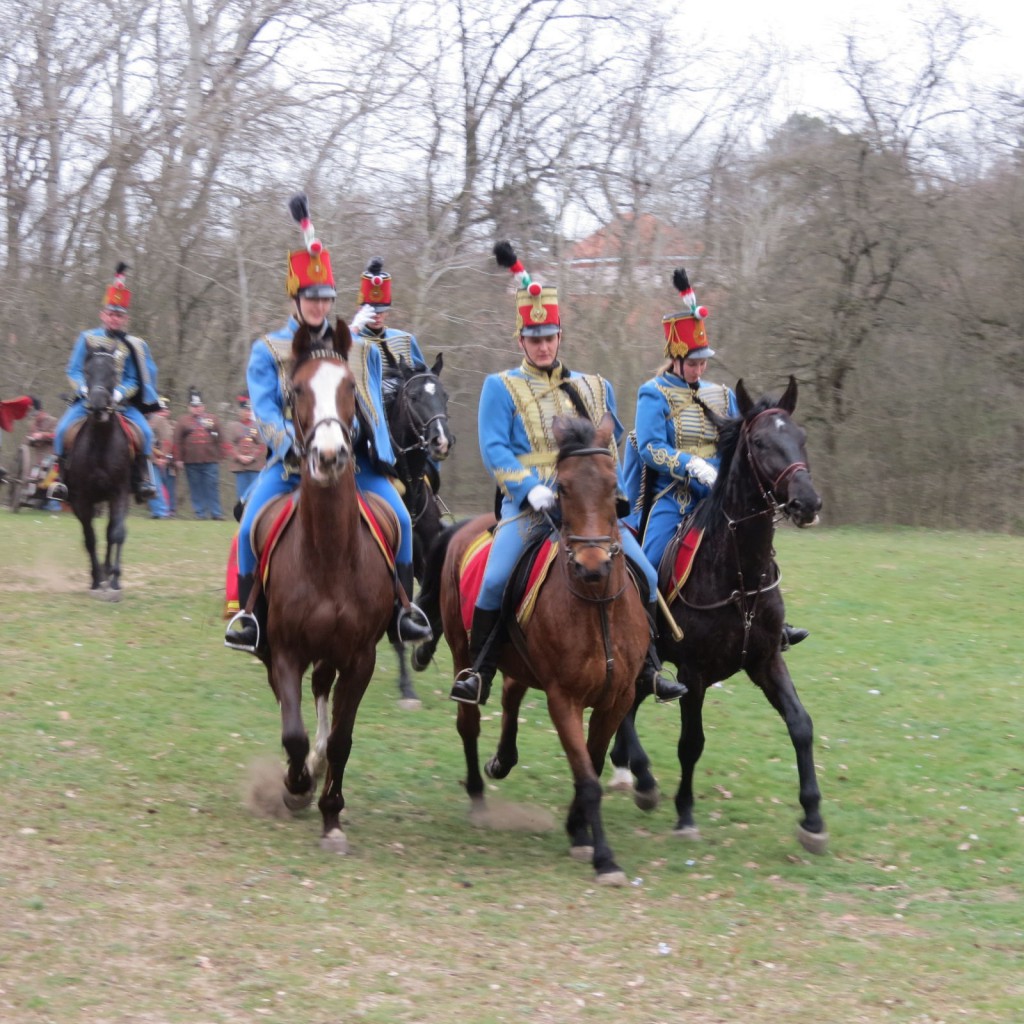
(315, 615)
(730, 610)
(99, 469)
(416, 406)
(584, 644)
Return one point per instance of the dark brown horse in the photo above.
(317, 614)
(730, 609)
(584, 643)
(99, 471)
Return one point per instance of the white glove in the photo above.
(118, 396)
(701, 471)
(541, 498)
(363, 316)
(83, 391)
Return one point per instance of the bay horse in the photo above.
(99, 470)
(584, 644)
(730, 609)
(331, 592)
(416, 406)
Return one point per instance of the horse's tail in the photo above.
(429, 598)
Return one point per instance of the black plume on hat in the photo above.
(505, 255)
(299, 207)
(375, 266)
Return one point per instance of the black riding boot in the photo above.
(664, 689)
(247, 631)
(791, 636)
(58, 490)
(408, 625)
(473, 685)
(142, 479)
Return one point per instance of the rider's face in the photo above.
(114, 319)
(314, 311)
(541, 352)
(693, 370)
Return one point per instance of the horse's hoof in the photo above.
(616, 879)
(421, 657)
(621, 781)
(584, 854)
(410, 703)
(647, 799)
(297, 801)
(689, 832)
(812, 842)
(494, 769)
(334, 841)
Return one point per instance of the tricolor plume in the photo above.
(507, 258)
(683, 286)
(299, 207)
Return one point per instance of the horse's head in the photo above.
(776, 453)
(418, 413)
(587, 493)
(323, 398)
(101, 379)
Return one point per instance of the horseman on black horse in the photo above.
(135, 393)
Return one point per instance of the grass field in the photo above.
(137, 885)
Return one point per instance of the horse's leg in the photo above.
(286, 683)
(407, 695)
(322, 680)
(348, 692)
(689, 749)
(467, 721)
(506, 757)
(586, 830)
(631, 763)
(89, 532)
(778, 687)
(117, 530)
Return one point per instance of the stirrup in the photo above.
(245, 618)
(673, 689)
(465, 676)
(414, 618)
(57, 491)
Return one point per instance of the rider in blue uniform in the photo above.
(671, 459)
(135, 395)
(375, 292)
(518, 447)
(311, 286)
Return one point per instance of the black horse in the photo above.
(99, 470)
(730, 609)
(416, 405)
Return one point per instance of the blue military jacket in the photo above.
(135, 365)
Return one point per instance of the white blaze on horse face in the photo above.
(328, 436)
(780, 423)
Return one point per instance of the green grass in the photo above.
(136, 885)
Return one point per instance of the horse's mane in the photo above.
(578, 434)
(709, 510)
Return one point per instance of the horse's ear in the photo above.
(560, 427)
(342, 338)
(438, 365)
(300, 342)
(788, 400)
(743, 400)
(404, 368)
(604, 438)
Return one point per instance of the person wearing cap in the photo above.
(199, 445)
(516, 412)
(310, 286)
(248, 452)
(135, 394)
(164, 505)
(675, 461)
(375, 307)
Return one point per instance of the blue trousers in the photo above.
(244, 479)
(204, 488)
(666, 515)
(511, 538)
(78, 411)
(275, 480)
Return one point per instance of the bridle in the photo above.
(303, 438)
(105, 354)
(420, 426)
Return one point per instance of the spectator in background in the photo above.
(164, 505)
(198, 441)
(248, 449)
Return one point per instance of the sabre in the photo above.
(677, 633)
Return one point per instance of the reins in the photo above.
(420, 426)
(302, 438)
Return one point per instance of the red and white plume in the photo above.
(299, 207)
(507, 258)
(682, 283)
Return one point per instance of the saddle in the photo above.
(273, 519)
(677, 561)
(131, 431)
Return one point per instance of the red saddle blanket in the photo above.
(471, 577)
(679, 555)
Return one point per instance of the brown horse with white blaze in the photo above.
(584, 643)
(315, 614)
